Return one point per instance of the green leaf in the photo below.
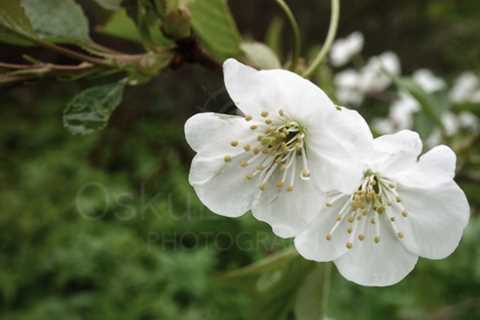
(57, 20)
(308, 304)
(216, 28)
(109, 4)
(260, 55)
(90, 110)
(15, 27)
(274, 35)
(121, 26)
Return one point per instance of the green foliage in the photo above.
(15, 28)
(110, 4)
(90, 110)
(213, 23)
(57, 20)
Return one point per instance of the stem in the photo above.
(297, 38)
(332, 32)
(327, 283)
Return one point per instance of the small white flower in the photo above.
(344, 49)
(383, 125)
(464, 88)
(291, 142)
(374, 78)
(402, 111)
(402, 208)
(450, 123)
(348, 88)
(468, 120)
(428, 81)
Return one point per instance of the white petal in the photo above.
(312, 243)
(377, 264)
(436, 219)
(205, 168)
(435, 167)
(227, 192)
(289, 213)
(211, 133)
(272, 90)
(396, 152)
(337, 148)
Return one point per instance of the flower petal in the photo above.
(436, 219)
(272, 90)
(395, 153)
(289, 213)
(312, 243)
(435, 167)
(222, 187)
(211, 133)
(377, 264)
(336, 150)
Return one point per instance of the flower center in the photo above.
(279, 143)
(376, 201)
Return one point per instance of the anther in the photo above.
(253, 127)
(281, 113)
(264, 114)
(404, 214)
(339, 217)
(227, 158)
(305, 173)
(247, 147)
(349, 245)
(380, 210)
(268, 121)
(248, 117)
(349, 230)
(328, 237)
(361, 237)
(400, 235)
(280, 184)
(243, 164)
(392, 219)
(263, 187)
(234, 143)
(290, 188)
(376, 239)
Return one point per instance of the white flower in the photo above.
(344, 49)
(383, 126)
(291, 142)
(465, 87)
(348, 88)
(402, 111)
(428, 81)
(402, 208)
(374, 78)
(468, 120)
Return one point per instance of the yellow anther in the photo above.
(398, 199)
(281, 113)
(260, 167)
(349, 245)
(247, 147)
(243, 164)
(339, 217)
(328, 237)
(227, 158)
(400, 235)
(349, 230)
(248, 117)
(263, 187)
(380, 210)
(376, 239)
(264, 114)
(268, 121)
(256, 151)
(249, 177)
(305, 173)
(404, 214)
(234, 143)
(350, 219)
(361, 237)
(253, 127)
(290, 188)
(372, 221)
(328, 204)
(280, 184)
(392, 219)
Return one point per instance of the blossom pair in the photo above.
(314, 172)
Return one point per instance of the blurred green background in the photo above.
(106, 226)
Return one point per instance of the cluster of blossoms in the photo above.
(353, 86)
(315, 173)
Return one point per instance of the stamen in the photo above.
(227, 158)
(248, 117)
(264, 114)
(234, 143)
